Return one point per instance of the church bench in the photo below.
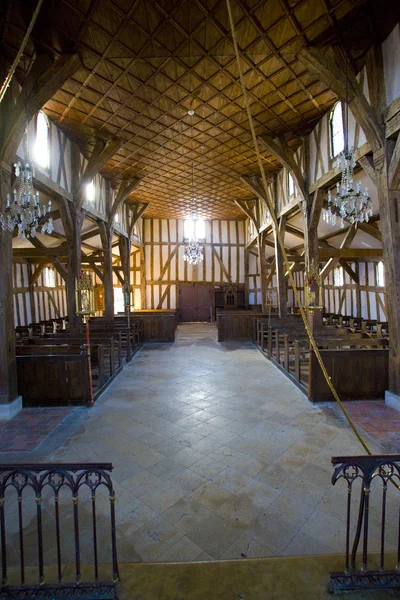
(60, 379)
(111, 347)
(129, 339)
(290, 352)
(147, 325)
(101, 372)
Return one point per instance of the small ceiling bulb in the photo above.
(191, 112)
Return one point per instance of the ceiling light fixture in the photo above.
(350, 202)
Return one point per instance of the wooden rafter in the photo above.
(42, 82)
(137, 212)
(331, 69)
(125, 189)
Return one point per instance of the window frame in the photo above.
(46, 169)
(380, 267)
(91, 201)
(340, 270)
(332, 153)
(290, 184)
(46, 277)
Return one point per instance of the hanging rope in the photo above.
(14, 66)
(285, 259)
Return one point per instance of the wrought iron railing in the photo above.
(368, 472)
(64, 485)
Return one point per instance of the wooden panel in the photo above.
(67, 374)
(368, 374)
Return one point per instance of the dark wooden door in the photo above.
(194, 302)
(202, 302)
(186, 302)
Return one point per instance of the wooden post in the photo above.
(296, 360)
(10, 404)
(277, 347)
(106, 235)
(280, 271)
(246, 277)
(269, 343)
(286, 352)
(262, 265)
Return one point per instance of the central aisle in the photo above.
(217, 455)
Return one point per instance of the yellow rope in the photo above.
(14, 66)
(285, 259)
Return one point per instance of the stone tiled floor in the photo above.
(216, 455)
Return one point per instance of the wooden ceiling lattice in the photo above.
(146, 62)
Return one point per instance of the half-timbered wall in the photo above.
(165, 268)
(37, 302)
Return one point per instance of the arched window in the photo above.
(42, 142)
(90, 191)
(188, 229)
(380, 275)
(200, 227)
(336, 131)
(338, 277)
(290, 185)
(49, 277)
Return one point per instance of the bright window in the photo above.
(116, 218)
(200, 227)
(118, 300)
(188, 228)
(336, 130)
(42, 145)
(194, 228)
(49, 277)
(90, 192)
(338, 277)
(380, 275)
(290, 185)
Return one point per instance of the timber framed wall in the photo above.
(35, 301)
(162, 267)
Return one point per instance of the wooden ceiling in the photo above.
(147, 62)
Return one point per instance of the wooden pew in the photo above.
(112, 351)
(290, 352)
(60, 379)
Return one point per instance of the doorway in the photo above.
(195, 302)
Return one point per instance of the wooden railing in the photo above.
(365, 356)
(22, 489)
(384, 471)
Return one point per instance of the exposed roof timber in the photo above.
(143, 99)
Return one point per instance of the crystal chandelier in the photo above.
(193, 250)
(23, 209)
(350, 203)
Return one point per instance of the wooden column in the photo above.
(106, 234)
(280, 270)
(384, 168)
(246, 276)
(312, 213)
(262, 267)
(389, 207)
(8, 368)
(44, 79)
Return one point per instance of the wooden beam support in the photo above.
(125, 189)
(43, 81)
(331, 69)
(103, 151)
(106, 235)
(137, 212)
(36, 274)
(280, 149)
(242, 204)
